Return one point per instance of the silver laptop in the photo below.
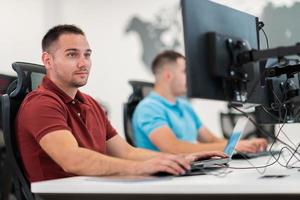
(229, 149)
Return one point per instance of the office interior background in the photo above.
(124, 37)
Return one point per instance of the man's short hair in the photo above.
(53, 34)
(164, 57)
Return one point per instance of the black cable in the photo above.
(290, 148)
(276, 138)
(267, 165)
(293, 155)
(288, 139)
(257, 126)
(260, 26)
(294, 152)
(255, 167)
(266, 37)
(276, 107)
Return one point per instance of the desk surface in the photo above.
(225, 181)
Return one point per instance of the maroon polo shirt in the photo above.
(48, 109)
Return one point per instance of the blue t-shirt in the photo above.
(155, 111)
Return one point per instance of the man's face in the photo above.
(70, 62)
(178, 80)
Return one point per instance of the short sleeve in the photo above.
(41, 114)
(111, 131)
(149, 117)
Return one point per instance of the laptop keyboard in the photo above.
(240, 155)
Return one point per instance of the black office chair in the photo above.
(5, 178)
(29, 76)
(229, 119)
(140, 90)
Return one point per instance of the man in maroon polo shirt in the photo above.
(63, 132)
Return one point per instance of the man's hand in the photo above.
(252, 145)
(173, 164)
(205, 155)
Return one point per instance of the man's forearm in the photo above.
(141, 154)
(186, 147)
(89, 163)
(207, 136)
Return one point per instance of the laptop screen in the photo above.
(235, 136)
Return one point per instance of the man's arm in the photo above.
(63, 148)
(165, 140)
(252, 145)
(118, 147)
(206, 136)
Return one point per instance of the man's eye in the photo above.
(87, 55)
(71, 55)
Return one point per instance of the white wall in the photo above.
(116, 55)
(22, 27)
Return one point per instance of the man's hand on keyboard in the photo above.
(205, 155)
(252, 145)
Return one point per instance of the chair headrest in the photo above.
(28, 74)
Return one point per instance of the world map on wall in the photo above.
(281, 24)
(162, 33)
(165, 30)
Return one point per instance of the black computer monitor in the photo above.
(212, 71)
(224, 62)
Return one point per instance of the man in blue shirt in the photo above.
(165, 121)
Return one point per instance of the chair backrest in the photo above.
(29, 75)
(5, 177)
(5, 81)
(140, 90)
(228, 121)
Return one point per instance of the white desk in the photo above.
(239, 183)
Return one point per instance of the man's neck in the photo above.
(71, 92)
(165, 93)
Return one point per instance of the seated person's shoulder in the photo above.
(36, 100)
(148, 104)
(38, 95)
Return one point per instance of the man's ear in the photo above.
(47, 60)
(167, 74)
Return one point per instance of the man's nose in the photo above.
(83, 62)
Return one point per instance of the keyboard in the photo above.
(195, 170)
(240, 155)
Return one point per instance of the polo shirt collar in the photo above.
(156, 96)
(48, 84)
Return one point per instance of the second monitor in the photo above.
(224, 62)
(213, 34)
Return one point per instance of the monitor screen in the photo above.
(212, 72)
(224, 62)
